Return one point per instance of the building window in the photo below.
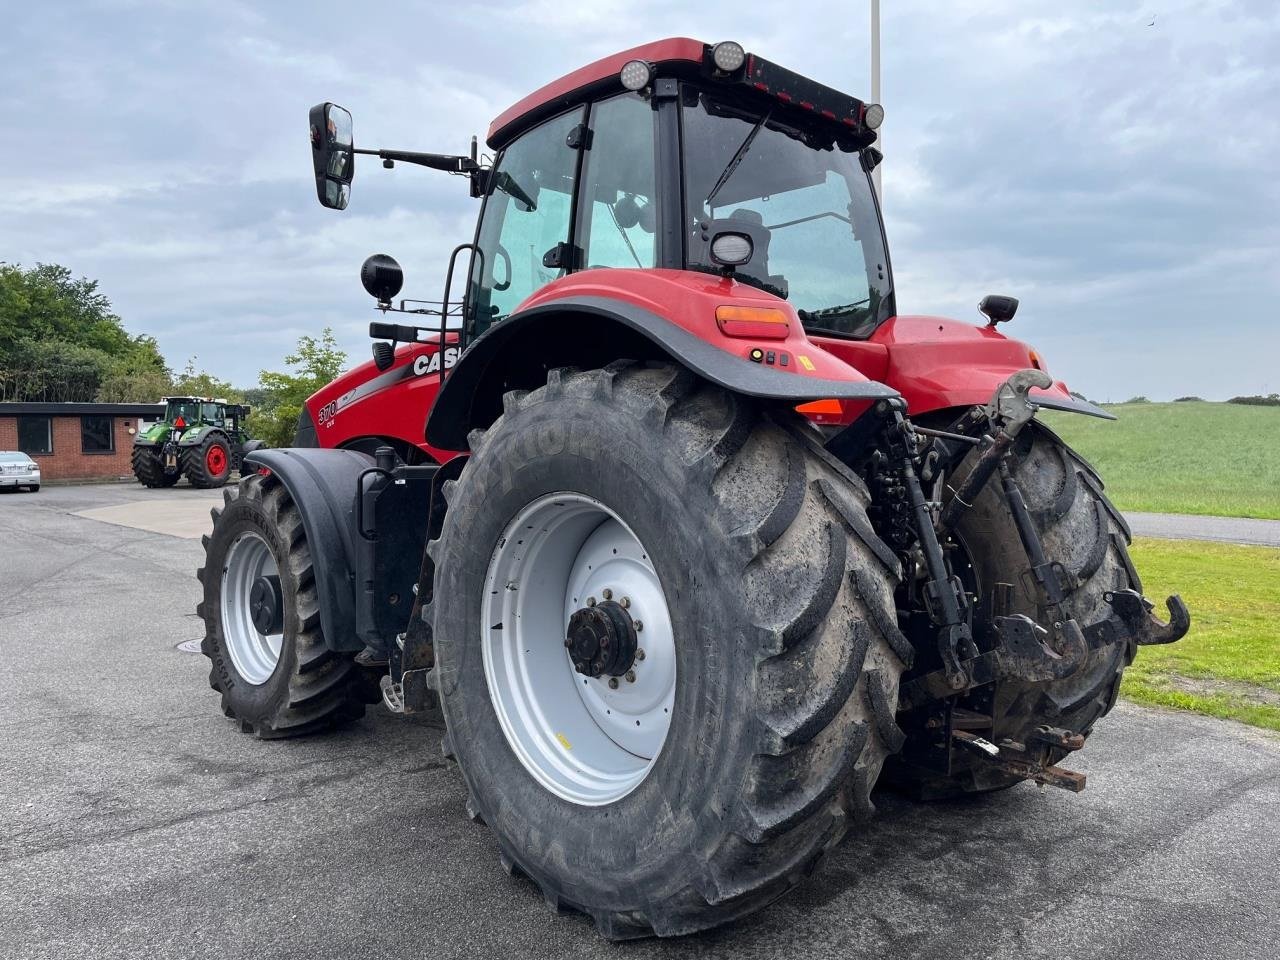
(35, 435)
(97, 434)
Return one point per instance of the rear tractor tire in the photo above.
(269, 659)
(208, 464)
(728, 696)
(148, 467)
(1081, 530)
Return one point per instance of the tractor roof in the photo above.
(562, 93)
(195, 399)
(784, 91)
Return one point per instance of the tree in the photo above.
(60, 340)
(316, 362)
(200, 383)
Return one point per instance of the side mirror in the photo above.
(332, 154)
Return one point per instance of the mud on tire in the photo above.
(311, 687)
(781, 600)
(1086, 534)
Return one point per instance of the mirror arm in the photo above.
(436, 161)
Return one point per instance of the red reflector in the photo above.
(831, 407)
(784, 97)
(806, 105)
(264, 471)
(761, 86)
(179, 423)
(752, 323)
(828, 114)
(849, 122)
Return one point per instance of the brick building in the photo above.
(76, 441)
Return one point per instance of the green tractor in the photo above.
(200, 437)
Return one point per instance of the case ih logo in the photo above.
(422, 365)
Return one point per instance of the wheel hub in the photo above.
(266, 606)
(602, 639)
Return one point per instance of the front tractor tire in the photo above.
(148, 467)
(269, 659)
(728, 696)
(208, 464)
(1080, 530)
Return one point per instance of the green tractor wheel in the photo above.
(148, 467)
(208, 464)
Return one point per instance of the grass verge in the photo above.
(1228, 665)
(1220, 459)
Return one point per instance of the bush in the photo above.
(1270, 400)
(1188, 399)
(1138, 399)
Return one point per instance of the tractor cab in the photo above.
(675, 155)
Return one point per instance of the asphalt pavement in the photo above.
(1176, 526)
(136, 821)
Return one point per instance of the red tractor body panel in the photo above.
(933, 362)
(689, 300)
(367, 403)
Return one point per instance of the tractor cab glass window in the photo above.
(616, 228)
(807, 205)
(524, 230)
(213, 413)
(188, 410)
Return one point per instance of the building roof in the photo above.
(12, 409)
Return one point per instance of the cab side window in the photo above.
(526, 217)
(617, 209)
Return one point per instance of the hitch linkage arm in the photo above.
(943, 591)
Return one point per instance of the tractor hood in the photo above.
(156, 433)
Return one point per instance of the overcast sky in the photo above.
(1122, 180)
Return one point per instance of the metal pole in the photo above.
(875, 84)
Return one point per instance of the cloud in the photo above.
(1116, 177)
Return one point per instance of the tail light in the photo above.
(752, 323)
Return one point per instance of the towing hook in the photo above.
(1146, 628)
(1011, 407)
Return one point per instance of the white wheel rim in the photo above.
(254, 654)
(582, 739)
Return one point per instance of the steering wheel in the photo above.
(501, 251)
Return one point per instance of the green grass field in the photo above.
(1209, 458)
(1228, 665)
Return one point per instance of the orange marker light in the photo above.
(752, 323)
(831, 407)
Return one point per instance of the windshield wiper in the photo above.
(828, 313)
(736, 159)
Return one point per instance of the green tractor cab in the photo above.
(202, 438)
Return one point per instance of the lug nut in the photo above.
(639, 625)
(591, 601)
(625, 603)
(631, 676)
(613, 683)
(607, 593)
(640, 654)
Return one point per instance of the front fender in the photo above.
(594, 317)
(323, 485)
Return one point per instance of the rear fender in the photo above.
(594, 317)
(937, 364)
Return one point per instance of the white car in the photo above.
(18, 470)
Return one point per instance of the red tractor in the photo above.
(697, 539)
